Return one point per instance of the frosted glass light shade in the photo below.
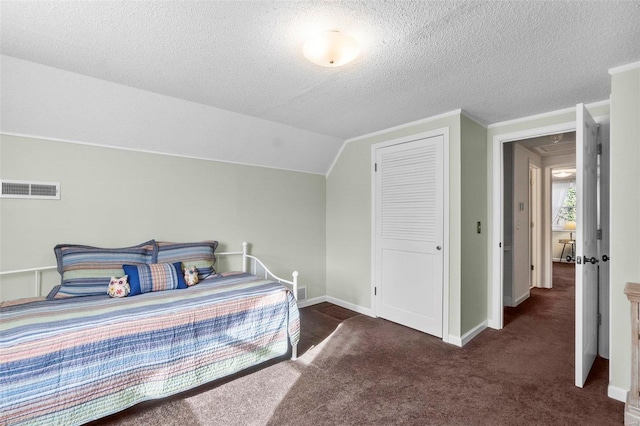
(331, 49)
(570, 225)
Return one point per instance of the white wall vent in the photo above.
(25, 189)
(302, 293)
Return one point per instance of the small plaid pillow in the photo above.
(154, 277)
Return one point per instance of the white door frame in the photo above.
(444, 132)
(495, 309)
(535, 217)
(496, 319)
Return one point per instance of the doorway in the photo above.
(499, 252)
(410, 231)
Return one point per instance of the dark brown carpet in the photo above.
(367, 371)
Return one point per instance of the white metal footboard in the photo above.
(255, 266)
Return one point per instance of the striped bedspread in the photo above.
(69, 361)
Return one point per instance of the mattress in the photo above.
(69, 361)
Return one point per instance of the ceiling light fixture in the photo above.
(561, 174)
(331, 49)
(556, 138)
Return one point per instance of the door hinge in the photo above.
(375, 291)
(599, 318)
(599, 234)
(532, 267)
(375, 167)
(599, 149)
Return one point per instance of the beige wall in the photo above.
(112, 197)
(473, 307)
(625, 217)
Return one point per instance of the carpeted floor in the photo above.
(357, 370)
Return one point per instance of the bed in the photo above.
(70, 360)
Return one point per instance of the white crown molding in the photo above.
(624, 68)
(470, 117)
(547, 114)
(146, 151)
(404, 126)
(395, 128)
(335, 159)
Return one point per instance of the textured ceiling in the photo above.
(495, 60)
(544, 146)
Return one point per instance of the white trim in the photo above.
(496, 211)
(351, 306)
(471, 334)
(468, 336)
(310, 302)
(624, 68)
(454, 340)
(399, 127)
(546, 114)
(617, 393)
(404, 126)
(597, 104)
(522, 298)
(146, 151)
(336, 158)
(444, 132)
(447, 247)
(338, 302)
(475, 120)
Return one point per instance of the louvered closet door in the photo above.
(409, 202)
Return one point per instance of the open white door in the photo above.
(603, 267)
(586, 244)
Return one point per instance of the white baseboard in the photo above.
(454, 340)
(617, 393)
(469, 335)
(348, 305)
(339, 302)
(522, 298)
(310, 302)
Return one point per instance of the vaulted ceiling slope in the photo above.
(495, 60)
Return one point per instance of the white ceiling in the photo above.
(495, 60)
(546, 148)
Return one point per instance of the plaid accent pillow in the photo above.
(154, 277)
(199, 254)
(86, 270)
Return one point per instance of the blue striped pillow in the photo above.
(154, 277)
(199, 254)
(86, 270)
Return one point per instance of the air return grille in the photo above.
(35, 190)
(302, 293)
